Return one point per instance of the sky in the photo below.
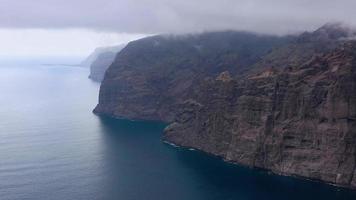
(72, 42)
(76, 27)
(57, 42)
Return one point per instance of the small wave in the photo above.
(171, 144)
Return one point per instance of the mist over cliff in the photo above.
(167, 16)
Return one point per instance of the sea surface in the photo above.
(52, 147)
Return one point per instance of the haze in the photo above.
(63, 27)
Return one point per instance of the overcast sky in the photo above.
(76, 26)
(57, 42)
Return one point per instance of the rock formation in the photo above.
(94, 55)
(100, 65)
(100, 60)
(305, 46)
(151, 76)
(285, 104)
(297, 121)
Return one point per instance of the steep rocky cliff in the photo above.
(94, 55)
(100, 65)
(286, 104)
(295, 121)
(151, 76)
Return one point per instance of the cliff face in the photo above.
(296, 121)
(151, 76)
(305, 46)
(100, 60)
(94, 55)
(100, 65)
(286, 104)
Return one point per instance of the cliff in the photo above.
(285, 104)
(94, 55)
(151, 76)
(296, 121)
(100, 65)
(305, 46)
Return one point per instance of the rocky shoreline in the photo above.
(259, 169)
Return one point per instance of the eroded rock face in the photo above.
(296, 121)
(282, 104)
(152, 76)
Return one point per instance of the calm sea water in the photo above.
(53, 147)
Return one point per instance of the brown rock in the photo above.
(300, 121)
(151, 77)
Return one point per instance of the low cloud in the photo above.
(176, 16)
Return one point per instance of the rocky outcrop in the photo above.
(297, 121)
(100, 65)
(152, 76)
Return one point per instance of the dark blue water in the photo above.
(53, 148)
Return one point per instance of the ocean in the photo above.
(52, 147)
